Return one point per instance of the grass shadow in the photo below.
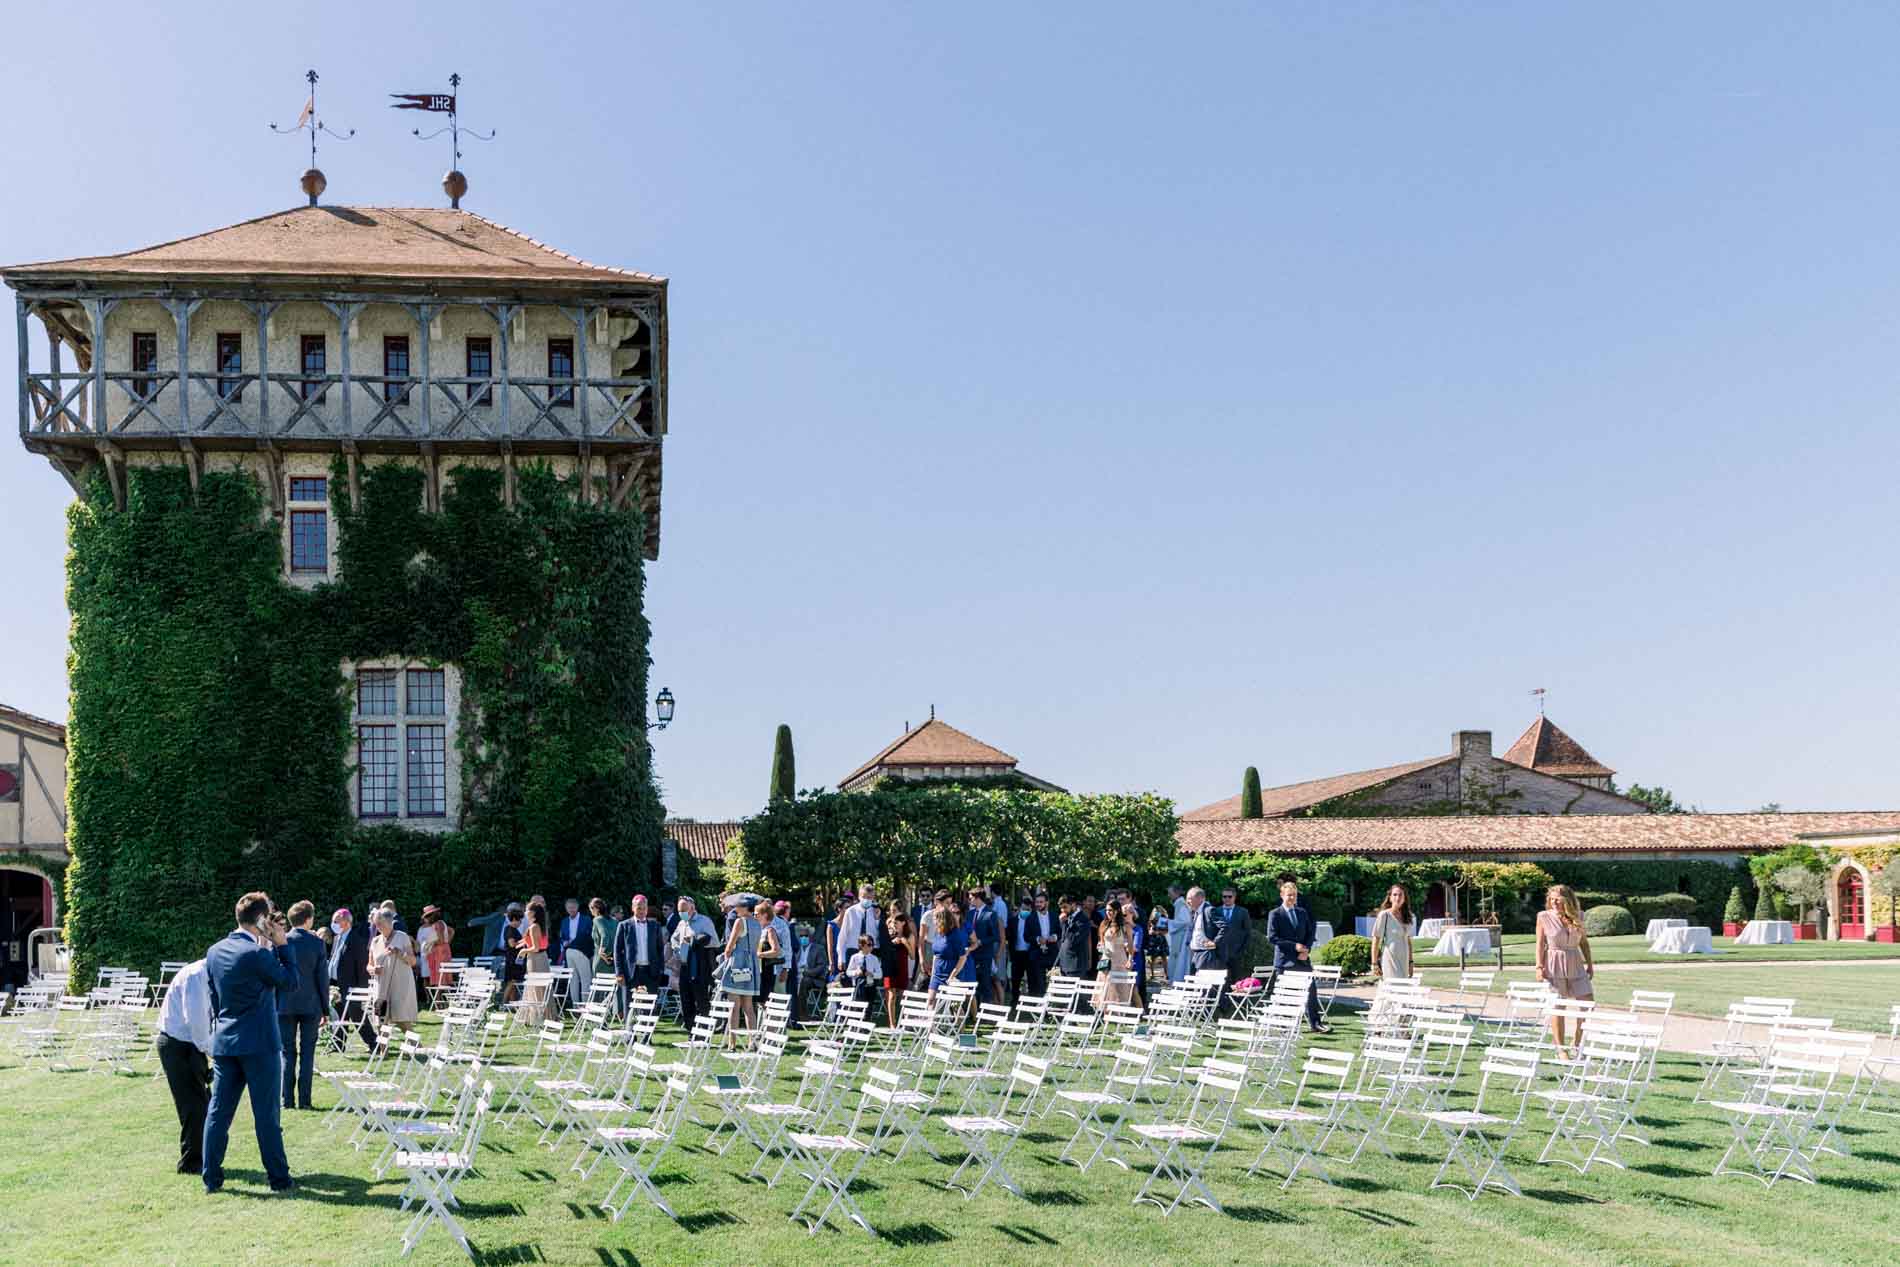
(1855, 1185)
(1052, 1197)
(1258, 1214)
(526, 1252)
(584, 1211)
(1663, 1170)
(609, 1258)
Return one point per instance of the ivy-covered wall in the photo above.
(210, 749)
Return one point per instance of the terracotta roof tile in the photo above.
(1524, 834)
(419, 243)
(934, 743)
(1548, 750)
(704, 841)
(1292, 797)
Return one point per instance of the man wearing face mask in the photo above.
(862, 920)
(349, 970)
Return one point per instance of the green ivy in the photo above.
(210, 749)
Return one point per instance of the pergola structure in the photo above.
(348, 275)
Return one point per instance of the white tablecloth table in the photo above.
(1433, 927)
(1322, 933)
(1684, 941)
(1656, 926)
(1467, 941)
(1767, 932)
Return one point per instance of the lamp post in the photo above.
(662, 708)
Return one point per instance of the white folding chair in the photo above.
(1770, 1137)
(636, 1151)
(1301, 1133)
(1183, 1147)
(432, 1180)
(1478, 1137)
(989, 1137)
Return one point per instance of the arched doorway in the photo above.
(1850, 904)
(26, 903)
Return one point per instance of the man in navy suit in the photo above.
(1291, 929)
(301, 1008)
(245, 971)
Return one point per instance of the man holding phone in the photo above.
(244, 972)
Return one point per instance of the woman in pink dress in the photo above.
(1563, 955)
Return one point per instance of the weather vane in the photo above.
(1538, 694)
(307, 121)
(454, 184)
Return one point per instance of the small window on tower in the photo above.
(230, 362)
(481, 364)
(144, 361)
(314, 359)
(396, 365)
(561, 365)
(309, 525)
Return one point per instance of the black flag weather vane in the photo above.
(307, 121)
(443, 103)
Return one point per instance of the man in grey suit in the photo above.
(301, 1008)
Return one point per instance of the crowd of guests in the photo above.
(249, 1014)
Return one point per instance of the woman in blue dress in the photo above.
(949, 948)
(751, 928)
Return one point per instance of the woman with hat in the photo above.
(433, 940)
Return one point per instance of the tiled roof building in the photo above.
(938, 750)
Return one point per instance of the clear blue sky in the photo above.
(1156, 390)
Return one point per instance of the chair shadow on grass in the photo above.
(1257, 1214)
(1663, 1170)
(526, 1252)
(1052, 1196)
(1023, 1234)
(1558, 1196)
(915, 1234)
(697, 1223)
(1854, 1184)
(580, 1211)
(1379, 1217)
(623, 1258)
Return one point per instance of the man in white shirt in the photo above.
(861, 920)
(184, 1048)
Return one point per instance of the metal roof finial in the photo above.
(454, 183)
(313, 182)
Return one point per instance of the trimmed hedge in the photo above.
(1665, 906)
(1587, 898)
(1349, 952)
(1608, 921)
(210, 747)
(1708, 882)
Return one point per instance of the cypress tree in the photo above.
(784, 779)
(1250, 793)
(1764, 902)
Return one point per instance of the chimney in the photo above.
(1473, 750)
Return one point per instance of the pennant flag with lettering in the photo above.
(441, 103)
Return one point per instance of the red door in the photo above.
(1852, 906)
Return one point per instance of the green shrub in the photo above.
(1662, 906)
(1609, 921)
(1349, 952)
(1587, 898)
(1709, 882)
(1735, 912)
(1250, 793)
(1764, 903)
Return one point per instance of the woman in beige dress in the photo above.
(392, 961)
(1118, 944)
(1564, 961)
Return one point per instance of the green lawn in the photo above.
(1521, 948)
(87, 1179)
(1856, 995)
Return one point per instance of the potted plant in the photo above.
(1764, 904)
(1804, 889)
(1734, 915)
(1886, 883)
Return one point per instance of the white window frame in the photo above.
(309, 576)
(402, 720)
